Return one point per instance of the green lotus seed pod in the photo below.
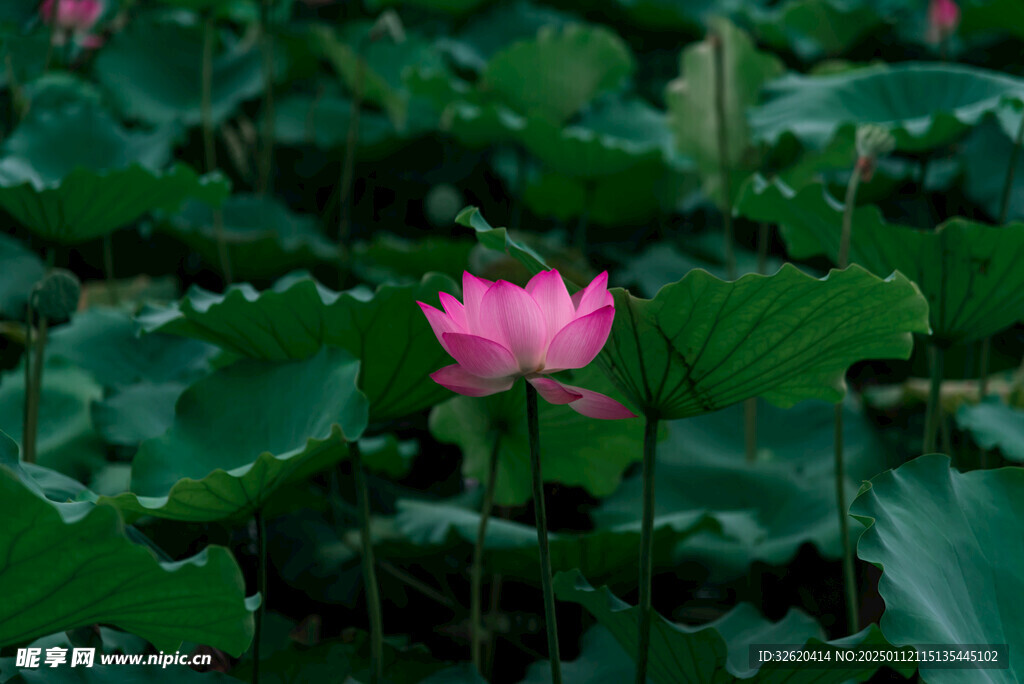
(56, 295)
(874, 141)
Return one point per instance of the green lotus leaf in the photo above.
(615, 136)
(717, 651)
(815, 28)
(382, 63)
(950, 557)
(575, 450)
(591, 60)
(969, 272)
(703, 344)
(767, 509)
(502, 24)
(995, 425)
(45, 547)
(264, 238)
(691, 101)
(608, 553)
(385, 330)
(22, 269)
(987, 154)
(153, 69)
(104, 343)
(67, 441)
(48, 144)
(89, 204)
(924, 105)
(286, 420)
(136, 413)
(69, 189)
(601, 660)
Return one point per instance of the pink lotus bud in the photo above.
(943, 18)
(501, 331)
(77, 16)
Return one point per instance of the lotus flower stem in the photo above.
(849, 570)
(209, 143)
(933, 413)
(30, 415)
(533, 427)
(349, 161)
(108, 267)
(477, 571)
(369, 568)
(722, 132)
(261, 584)
(646, 548)
(750, 405)
(267, 47)
(849, 574)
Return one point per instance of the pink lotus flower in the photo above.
(943, 18)
(73, 15)
(502, 332)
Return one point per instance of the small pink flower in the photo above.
(943, 18)
(502, 332)
(77, 16)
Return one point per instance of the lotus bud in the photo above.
(873, 141)
(943, 19)
(56, 295)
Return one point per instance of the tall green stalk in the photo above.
(533, 427)
(348, 164)
(646, 548)
(933, 412)
(849, 576)
(369, 567)
(261, 584)
(209, 142)
(478, 558)
(30, 414)
(728, 237)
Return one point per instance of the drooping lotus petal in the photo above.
(578, 343)
(594, 404)
(593, 296)
(511, 317)
(473, 290)
(548, 290)
(480, 356)
(455, 378)
(553, 391)
(440, 323)
(455, 310)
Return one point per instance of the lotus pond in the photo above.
(466, 341)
